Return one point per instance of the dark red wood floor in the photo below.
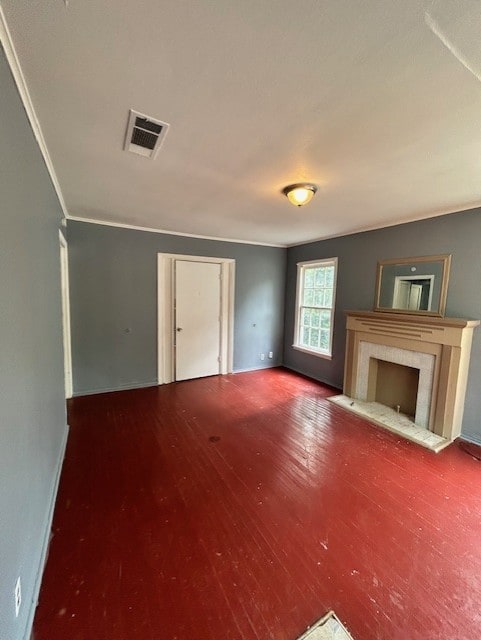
(244, 507)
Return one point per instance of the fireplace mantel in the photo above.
(448, 340)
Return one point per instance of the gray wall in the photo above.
(113, 287)
(458, 234)
(32, 404)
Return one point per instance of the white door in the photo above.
(401, 294)
(197, 319)
(415, 297)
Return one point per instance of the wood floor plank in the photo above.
(244, 507)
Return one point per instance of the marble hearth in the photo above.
(414, 366)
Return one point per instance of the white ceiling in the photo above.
(377, 101)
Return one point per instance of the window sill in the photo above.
(318, 354)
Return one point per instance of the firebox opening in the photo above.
(393, 385)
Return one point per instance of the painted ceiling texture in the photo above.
(377, 102)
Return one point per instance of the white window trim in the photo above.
(300, 268)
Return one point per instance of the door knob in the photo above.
(179, 328)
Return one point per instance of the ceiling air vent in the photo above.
(144, 134)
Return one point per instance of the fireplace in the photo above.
(396, 377)
(394, 385)
(417, 366)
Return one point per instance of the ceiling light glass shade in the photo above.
(300, 194)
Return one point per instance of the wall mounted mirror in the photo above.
(413, 285)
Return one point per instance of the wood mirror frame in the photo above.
(431, 292)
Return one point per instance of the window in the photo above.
(316, 291)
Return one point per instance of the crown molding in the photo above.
(12, 58)
(133, 227)
(386, 224)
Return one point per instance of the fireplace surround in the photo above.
(438, 348)
(372, 354)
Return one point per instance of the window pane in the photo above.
(327, 298)
(315, 317)
(318, 298)
(329, 276)
(314, 342)
(325, 319)
(309, 277)
(305, 336)
(308, 297)
(306, 316)
(324, 344)
(320, 276)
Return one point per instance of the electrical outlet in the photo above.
(18, 596)
(263, 356)
(271, 355)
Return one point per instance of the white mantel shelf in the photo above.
(447, 339)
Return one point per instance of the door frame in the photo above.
(65, 293)
(399, 279)
(166, 308)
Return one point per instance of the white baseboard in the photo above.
(267, 366)
(471, 437)
(47, 528)
(321, 380)
(155, 383)
(121, 387)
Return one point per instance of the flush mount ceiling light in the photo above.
(300, 193)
